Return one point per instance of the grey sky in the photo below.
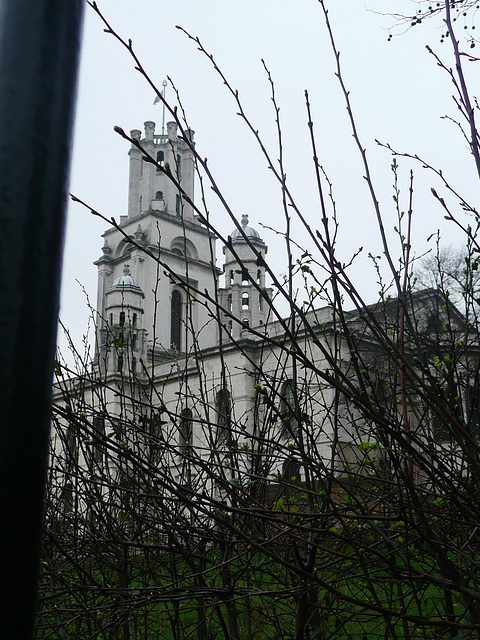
(397, 91)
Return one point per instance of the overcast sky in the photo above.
(398, 93)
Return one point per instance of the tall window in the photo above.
(230, 302)
(98, 437)
(155, 437)
(160, 159)
(176, 321)
(473, 411)
(245, 301)
(223, 408)
(159, 195)
(177, 204)
(71, 447)
(179, 166)
(289, 411)
(441, 422)
(232, 277)
(291, 470)
(186, 429)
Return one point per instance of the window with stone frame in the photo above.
(223, 410)
(473, 411)
(98, 424)
(176, 321)
(160, 160)
(289, 410)
(291, 470)
(185, 429)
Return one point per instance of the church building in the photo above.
(202, 336)
(193, 359)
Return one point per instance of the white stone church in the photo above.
(203, 337)
(201, 345)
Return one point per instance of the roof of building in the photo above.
(250, 232)
(126, 278)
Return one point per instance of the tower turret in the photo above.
(243, 295)
(122, 337)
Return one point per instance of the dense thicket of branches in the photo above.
(348, 509)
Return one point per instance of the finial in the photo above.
(244, 220)
(140, 236)
(126, 269)
(106, 248)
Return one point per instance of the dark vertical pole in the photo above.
(39, 52)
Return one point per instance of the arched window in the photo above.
(291, 470)
(179, 166)
(289, 409)
(259, 276)
(186, 429)
(176, 321)
(177, 204)
(154, 424)
(473, 411)
(433, 324)
(230, 302)
(159, 195)
(122, 318)
(223, 409)
(232, 278)
(245, 281)
(160, 159)
(246, 322)
(245, 301)
(71, 445)
(111, 319)
(98, 437)
(134, 320)
(120, 363)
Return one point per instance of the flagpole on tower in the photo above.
(164, 83)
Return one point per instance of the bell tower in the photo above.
(170, 254)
